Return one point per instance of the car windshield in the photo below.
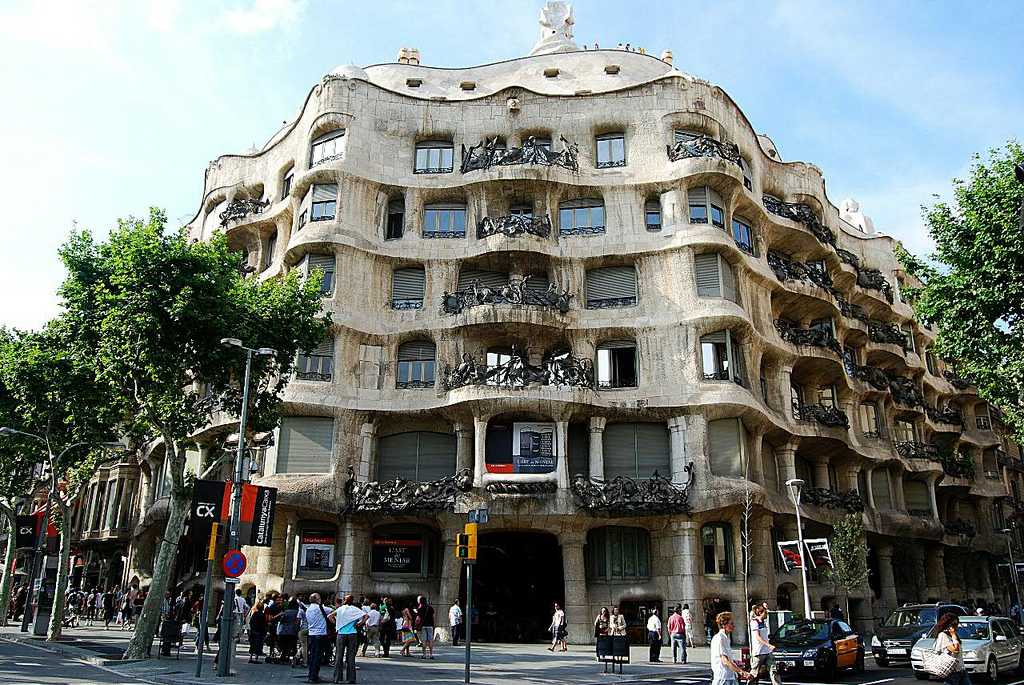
(803, 630)
(971, 630)
(910, 617)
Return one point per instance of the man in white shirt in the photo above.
(761, 649)
(372, 629)
(723, 669)
(316, 619)
(455, 621)
(654, 636)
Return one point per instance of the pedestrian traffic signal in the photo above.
(466, 543)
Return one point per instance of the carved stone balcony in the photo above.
(959, 526)
(704, 146)
(560, 369)
(515, 292)
(239, 209)
(400, 496)
(490, 153)
(872, 279)
(813, 337)
(832, 417)
(918, 450)
(801, 213)
(513, 225)
(846, 500)
(633, 497)
(888, 333)
(949, 415)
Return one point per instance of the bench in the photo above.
(613, 649)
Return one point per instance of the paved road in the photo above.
(27, 665)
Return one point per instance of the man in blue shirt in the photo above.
(347, 618)
(316, 618)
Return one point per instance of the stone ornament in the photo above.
(239, 209)
(490, 153)
(514, 292)
(652, 496)
(402, 496)
(555, 30)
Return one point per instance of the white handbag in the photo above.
(939, 664)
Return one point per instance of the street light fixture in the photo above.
(795, 486)
(1014, 576)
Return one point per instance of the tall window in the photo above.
(903, 431)
(611, 150)
(616, 364)
(325, 264)
(652, 215)
(915, 495)
(581, 217)
(718, 558)
(727, 447)
(616, 553)
(395, 225)
(286, 182)
(981, 417)
(434, 157)
(769, 466)
(407, 288)
(743, 235)
(636, 450)
(826, 324)
(881, 489)
(418, 456)
(908, 331)
(931, 363)
(416, 364)
(268, 253)
(444, 220)
(870, 420)
(305, 445)
(611, 286)
(721, 358)
(827, 396)
(706, 205)
(715, 277)
(326, 147)
(325, 198)
(316, 365)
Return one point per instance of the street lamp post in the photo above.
(1014, 576)
(795, 486)
(228, 615)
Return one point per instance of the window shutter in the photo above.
(436, 456)
(698, 197)
(408, 284)
(307, 444)
(324, 262)
(490, 279)
(728, 280)
(579, 449)
(538, 283)
(880, 489)
(724, 448)
(652, 450)
(916, 495)
(324, 349)
(416, 350)
(707, 266)
(619, 450)
(611, 283)
(396, 456)
(328, 136)
(325, 192)
(716, 337)
(770, 466)
(396, 207)
(716, 199)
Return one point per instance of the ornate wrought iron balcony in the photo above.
(851, 311)
(814, 337)
(617, 383)
(958, 465)
(402, 496)
(580, 230)
(407, 304)
(239, 209)
(888, 333)
(832, 417)
(515, 292)
(960, 526)
(637, 497)
(801, 213)
(444, 234)
(513, 225)
(515, 488)
(872, 279)
(920, 513)
(871, 375)
(847, 500)
(414, 385)
(790, 270)
(917, 450)
(609, 304)
(848, 257)
(704, 146)
(950, 415)
(904, 391)
(958, 382)
(489, 153)
(312, 376)
(561, 368)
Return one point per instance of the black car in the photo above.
(902, 628)
(820, 645)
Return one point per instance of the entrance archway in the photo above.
(517, 579)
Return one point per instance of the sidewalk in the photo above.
(493, 664)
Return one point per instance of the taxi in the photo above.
(821, 646)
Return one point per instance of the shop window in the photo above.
(615, 553)
(636, 450)
(317, 545)
(616, 364)
(404, 550)
(718, 556)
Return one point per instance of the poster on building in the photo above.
(818, 553)
(397, 554)
(316, 550)
(791, 556)
(533, 448)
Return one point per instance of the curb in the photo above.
(68, 649)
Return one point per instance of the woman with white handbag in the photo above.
(945, 659)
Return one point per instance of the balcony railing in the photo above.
(918, 450)
(513, 225)
(629, 496)
(560, 369)
(239, 209)
(872, 279)
(580, 230)
(852, 311)
(888, 333)
(992, 475)
(949, 415)
(960, 526)
(611, 303)
(813, 337)
(790, 270)
(515, 292)
(490, 153)
(905, 392)
(616, 383)
(312, 376)
(848, 257)
(983, 423)
(415, 384)
(833, 417)
(958, 382)
(872, 375)
(401, 496)
(416, 303)
(958, 465)
(920, 513)
(704, 146)
(455, 233)
(847, 500)
(801, 213)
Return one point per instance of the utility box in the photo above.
(47, 586)
(777, 618)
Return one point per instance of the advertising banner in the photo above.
(397, 554)
(207, 506)
(818, 552)
(316, 550)
(533, 447)
(256, 520)
(28, 528)
(791, 556)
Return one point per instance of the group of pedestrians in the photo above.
(113, 606)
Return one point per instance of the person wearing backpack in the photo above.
(387, 626)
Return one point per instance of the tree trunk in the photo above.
(146, 625)
(53, 632)
(8, 579)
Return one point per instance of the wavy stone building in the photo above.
(551, 279)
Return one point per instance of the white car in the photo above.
(991, 644)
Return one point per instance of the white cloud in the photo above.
(263, 15)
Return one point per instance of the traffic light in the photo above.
(466, 542)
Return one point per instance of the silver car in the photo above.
(991, 644)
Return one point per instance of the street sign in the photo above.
(234, 564)
(478, 516)
(233, 581)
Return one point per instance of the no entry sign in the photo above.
(234, 564)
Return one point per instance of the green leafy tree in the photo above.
(151, 307)
(849, 549)
(972, 286)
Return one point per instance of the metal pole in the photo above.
(803, 556)
(228, 617)
(469, 612)
(204, 629)
(1014, 576)
(32, 598)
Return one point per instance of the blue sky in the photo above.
(113, 106)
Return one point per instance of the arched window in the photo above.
(715, 277)
(416, 456)
(394, 226)
(581, 217)
(611, 150)
(434, 157)
(706, 204)
(444, 220)
(617, 553)
(718, 557)
(287, 179)
(611, 286)
(721, 358)
(327, 147)
(416, 364)
(727, 446)
(616, 364)
(324, 201)
(636, 450)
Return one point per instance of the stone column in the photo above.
(480, 438)
(786, 456)
(448, 590)
(354, 555)
(785, 391)
(673, 209)
(934, 573)
(685, 552)
(821, 472)
(463, 446)
(677, 449)
(291, 534)
(577, 604)
(931, 499)
(597, 424)
(364, 467)
(562, 450)
(887, 582)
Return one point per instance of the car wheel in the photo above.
(858, 664)
(921, 675)
(881, 663)
(992, 670)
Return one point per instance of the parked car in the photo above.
(821, 646)
(902, 628)
(991, 644)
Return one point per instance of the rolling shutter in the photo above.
(408, 284)
(698, 197)
(724, 448)
(306, 445)
(617, 345)
(435, 456)
(579, 449)
(416, 350)
(728, 280)
(770, 467)
(324, 349)
(716, 337)
(652, 450)
(716, 199)
(619, 450)
(538, 283)
(325, 192)
(324, 262)
(328, 136)
(916, 495)
(490, 279)
(880, 489)
(396, 457)
(707, 267)
(611, 283)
